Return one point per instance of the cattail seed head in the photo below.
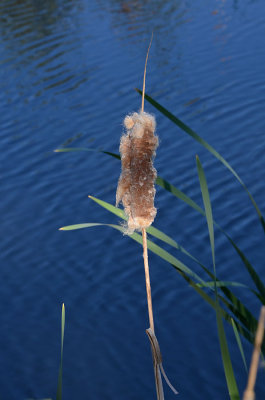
(136, 188)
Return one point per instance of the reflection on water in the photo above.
(68, 70)
(39, 40)
(30, 20)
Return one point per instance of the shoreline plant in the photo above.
(136, 191)
(218, 294)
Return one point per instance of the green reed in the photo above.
(217, 293)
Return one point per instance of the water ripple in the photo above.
(67, 76)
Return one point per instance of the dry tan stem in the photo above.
(143, 92)
(158, 380)
(146, 266)
(249, 393)
(147, 282)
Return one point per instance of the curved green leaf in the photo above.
(221, 284)
(60, 376)
(152, 246)
(239, 343)
(228, 368)
(78, 149)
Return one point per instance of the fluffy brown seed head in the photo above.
(136, 188)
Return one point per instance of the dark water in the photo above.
(68, 70)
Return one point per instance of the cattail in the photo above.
(136, 191)
(136, 188)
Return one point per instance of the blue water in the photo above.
(68, 70)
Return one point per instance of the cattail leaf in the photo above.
(239, 343)
(243, 331)
(60, 376)
(236, 306)
(255, 277)
(222, 284)
(169, 258)
(167, 239)
(78, 149)
(114, 210)
(241, 312)
(151, 230)
(228, 368)
(72, 149)
(182, 196)
(207, 146)
(152, 246)
(78, 226)
(207, 206)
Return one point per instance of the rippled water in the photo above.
(68, 70)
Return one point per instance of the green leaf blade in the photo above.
(227, 364)
(239, 343)
(228, 368)
(60, 375)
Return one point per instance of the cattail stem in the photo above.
(158, 380)
(249, 393)
(147, 281)
(143, 92)
(146, 265)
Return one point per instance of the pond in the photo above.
(68, 73)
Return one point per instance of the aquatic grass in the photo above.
(228, 368)
(217, 293)
(239, 343)
(85, 149)
(136, 192)
(60, 375)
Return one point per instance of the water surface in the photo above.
(68, 70)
